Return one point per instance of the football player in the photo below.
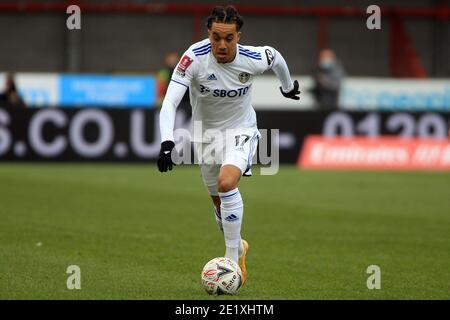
(219, 72)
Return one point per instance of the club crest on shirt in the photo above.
(185, 62)
(244, 77)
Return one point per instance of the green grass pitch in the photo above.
(139, 234)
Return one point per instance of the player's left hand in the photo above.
(165, 156)
(294, 93)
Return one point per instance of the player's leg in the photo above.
(237, 161)
(232, 209)
(210, 171)
(209, 176)
(217, 213)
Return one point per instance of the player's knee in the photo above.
(226, 184)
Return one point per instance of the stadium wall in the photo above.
(124, 42)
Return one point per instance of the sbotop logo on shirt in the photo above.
(222, 93)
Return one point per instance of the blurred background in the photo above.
(122, 54)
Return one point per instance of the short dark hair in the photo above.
(227, 14)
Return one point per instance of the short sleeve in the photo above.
(184, 71)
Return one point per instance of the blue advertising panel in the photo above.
(107, 90)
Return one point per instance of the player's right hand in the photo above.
(165, 156)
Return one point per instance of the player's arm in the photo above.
(180, 82)
(276, 62)
(174, 94)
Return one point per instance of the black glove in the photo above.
(293, 94)
(165, 156)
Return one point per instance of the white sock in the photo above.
(218, 217)
(232, 210)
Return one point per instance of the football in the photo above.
(221, 276)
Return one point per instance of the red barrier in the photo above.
(404, 60)
(382, 153)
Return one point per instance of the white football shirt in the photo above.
(220, 93)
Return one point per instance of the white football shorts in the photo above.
(237, 148)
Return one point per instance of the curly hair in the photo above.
(227, 14)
